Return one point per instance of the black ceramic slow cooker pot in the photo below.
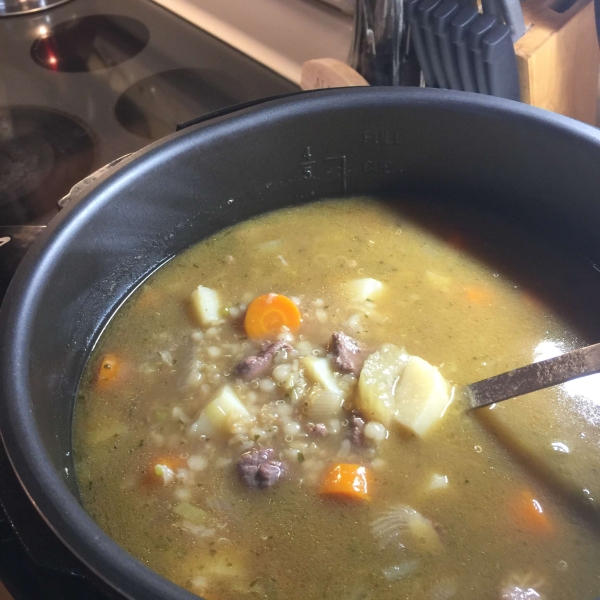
(534, 165)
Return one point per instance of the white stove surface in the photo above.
(280, 34)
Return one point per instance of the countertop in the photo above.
(280, 34)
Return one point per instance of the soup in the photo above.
(277, 412)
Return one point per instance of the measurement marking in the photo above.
(343, 169)
(307, 164)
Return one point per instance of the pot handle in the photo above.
(36, 565)
(221, 112)
(14, 243)
(15, 240)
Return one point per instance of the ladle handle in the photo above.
(537, 376)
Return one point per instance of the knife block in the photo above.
(559, 58)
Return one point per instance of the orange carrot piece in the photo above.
(149, 298)
(267, 314)
(479, 295)
(528, 515)
(532, 300)
(108, 373)
(152, 476)
(171, 462)
(456, 240)
(347, 481)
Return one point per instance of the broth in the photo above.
(497, 499)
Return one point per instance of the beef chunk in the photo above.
(258, 470)
(356, 431)
(348, 356)
(318, 429)
(257, 365)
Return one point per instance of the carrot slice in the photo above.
(528, 515)
(347, 481)
(479, 295)
(267, 314)
(108, 372)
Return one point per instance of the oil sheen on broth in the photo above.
(243, 499)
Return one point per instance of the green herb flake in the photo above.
(256, 438)
(300, 457)
(162, 415)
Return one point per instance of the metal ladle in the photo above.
(537, 376)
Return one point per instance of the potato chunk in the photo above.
(422, 396)
(320, 371)
(377, 383)
(364, 289)
(407, 389)
(223, 411)
(205, 305)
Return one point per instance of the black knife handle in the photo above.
(513, 17)
(425, 11)
(442, 17)
(480, 26)
(459, 28)
(498, 54)
(491, 7)
(419, 43)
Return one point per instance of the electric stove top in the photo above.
(91, 80)
(81, 85)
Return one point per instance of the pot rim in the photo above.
(23, 443)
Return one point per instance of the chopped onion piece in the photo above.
(197, 462)
(166, 357)
(402, 525)
(444, 590)
(178, 414)
(437, 482)
(323, 405)
(401, 571)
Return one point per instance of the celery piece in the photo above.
(191, 513)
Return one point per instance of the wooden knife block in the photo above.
(559, 58)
